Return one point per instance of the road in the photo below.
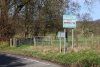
(8, 60)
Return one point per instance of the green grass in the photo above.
(87, 58)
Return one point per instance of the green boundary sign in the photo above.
(69, 21)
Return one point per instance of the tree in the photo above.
(5, 28)
(35, 17)
(40, 15)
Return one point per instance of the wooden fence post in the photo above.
(14, 42)
(11, 42)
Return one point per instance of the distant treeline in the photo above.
(88, 27)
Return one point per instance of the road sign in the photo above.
(69, 21)
(61, 34)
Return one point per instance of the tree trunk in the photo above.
(4, 16)
(4, 11)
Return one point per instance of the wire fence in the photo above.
(57, 42)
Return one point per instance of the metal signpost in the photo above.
(69, 21)
(60, 36)
(65, 42)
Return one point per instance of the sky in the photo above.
(95, 9)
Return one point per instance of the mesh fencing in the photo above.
(58, 43)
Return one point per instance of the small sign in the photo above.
(61, 34)
(69, 21)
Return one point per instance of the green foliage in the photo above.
(87, 58)
(3, 45)
(84, 58)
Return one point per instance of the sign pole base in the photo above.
(65, 41)
(72, 38)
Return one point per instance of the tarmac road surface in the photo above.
(8, 60)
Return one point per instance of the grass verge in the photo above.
(86, 58)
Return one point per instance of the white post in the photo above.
(72, 38)
(60, 44)
(34, 41)
(51, 40)
(98, 41)
(92, 39)
(14, 42)
(65, 41)
(11, 42)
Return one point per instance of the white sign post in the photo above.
(60, 36)
(65, 41)
(69, 21)
(72, 38)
